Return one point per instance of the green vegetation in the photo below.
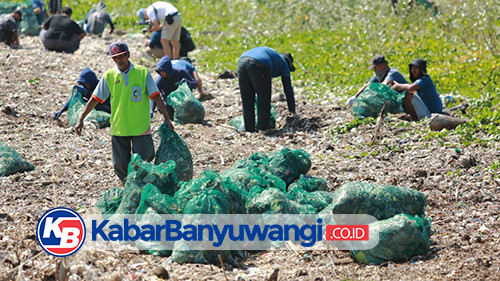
(333, 42)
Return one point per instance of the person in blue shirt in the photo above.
(256, 68)
(424, 96)
(86, 83)
(184, 63)
(39, 10)
(383, 74)
(168, 81)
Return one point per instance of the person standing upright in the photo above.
(129, 87)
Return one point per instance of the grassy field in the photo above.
(333, 42)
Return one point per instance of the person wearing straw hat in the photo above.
(129, 87)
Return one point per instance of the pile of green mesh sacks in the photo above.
(262, 184)
(12, 162)
(29, 25)
(370, 102)
(404, 230)
(76, 106)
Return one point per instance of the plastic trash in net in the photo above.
(187, 108)
(77, 106)
(370, 102)
(239, 124)
(12, 162)
(400, 238)
(289, 164)
(172, 147)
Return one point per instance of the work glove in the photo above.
(57, 114)
(350, 101)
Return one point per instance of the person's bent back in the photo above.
(60, 33)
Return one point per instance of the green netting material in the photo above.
(108, 203)
(29, 25)
(172, 147)
(140, 173)
(274, 201)
(211, 180)
(380, 201)
(153, 201)
(77, 106)
(12, 162)
(239, 124)
(370, 102)
(288, 164)
(309, 183)
(307, 198)
(400, 238)
(187, 108)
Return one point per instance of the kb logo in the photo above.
(60, 232)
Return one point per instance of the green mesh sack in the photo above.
(307, 198)
(77, 106)
(370, 102)
(400, 238)
(380, 201)
(153, 199)
(327, 196)
(187, 108)
(12, 162)
(108, 203)
(246, 179)
(209, 201)
(140, 173)
(211, 180)
(172, 147)
(239, 124)
(274, 201)
(309, 183)
(288, 164)
(257, 163)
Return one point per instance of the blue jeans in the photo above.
(255, 78)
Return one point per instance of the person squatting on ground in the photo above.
(155, 48)
(96, 20)
(422, 98)
(383, 74)
(168, 81)
(86, 83)
(129, 88)
(184, 63)
(39, 11)
(60, 33)
(170, 28)
(256, 68)
(9, 28)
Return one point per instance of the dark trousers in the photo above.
(67, 46)
(255, 78)
(123, 147)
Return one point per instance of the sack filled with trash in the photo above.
(370, 102)
(172, 147)
(76, 107)
(400, 238)
(108, 203)
(187, 108)
(12, 162)
(380, 201)
(288, 164)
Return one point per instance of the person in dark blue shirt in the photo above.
(86, 83)
(39, 10)
(168, 81)
(425, 98)
(256, 68)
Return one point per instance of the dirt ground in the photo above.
(73, 171)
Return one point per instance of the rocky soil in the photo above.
(73, 171)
